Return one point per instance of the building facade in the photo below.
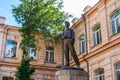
(97, 45)
(98, 40)
(45, 60)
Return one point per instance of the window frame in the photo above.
(115, 18)
(96, 33)
(81, 44)
(99, 75)
(118, 70)
(48, 57)
(31, 51)
(14, 46)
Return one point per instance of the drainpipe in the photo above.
(86, 45)
(3, 40)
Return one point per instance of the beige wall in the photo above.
(12, 33)
(107, 53)
(44, 70)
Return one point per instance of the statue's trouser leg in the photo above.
(66, 50)
(73, 53)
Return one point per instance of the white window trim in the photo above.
(81, 43)
(95, 40)
(49, 58)
(115, 24)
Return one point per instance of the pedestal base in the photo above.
(71, 74)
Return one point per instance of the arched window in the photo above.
(99, 74)
(117, 71)
(97, 35)
(49, 55)
(115, 21)
(11, 47)
(81, 44)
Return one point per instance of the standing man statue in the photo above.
(68, 37)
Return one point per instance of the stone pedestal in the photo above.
(71, 74)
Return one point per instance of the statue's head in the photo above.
(67, 24)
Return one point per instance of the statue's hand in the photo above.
(61, 35)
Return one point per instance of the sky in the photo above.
(74, 7)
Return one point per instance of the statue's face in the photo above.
(67, 24)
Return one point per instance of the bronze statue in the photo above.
(68, 37)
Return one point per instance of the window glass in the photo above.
(118, 75)
(99, 74)
(49, 55)
(118, 24)
(117, 71)
(113, 27)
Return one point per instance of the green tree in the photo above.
(24, 70)
(43, 16)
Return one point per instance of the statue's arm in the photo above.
(72, 36)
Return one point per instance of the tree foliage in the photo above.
(25, 70)
(43, 16)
